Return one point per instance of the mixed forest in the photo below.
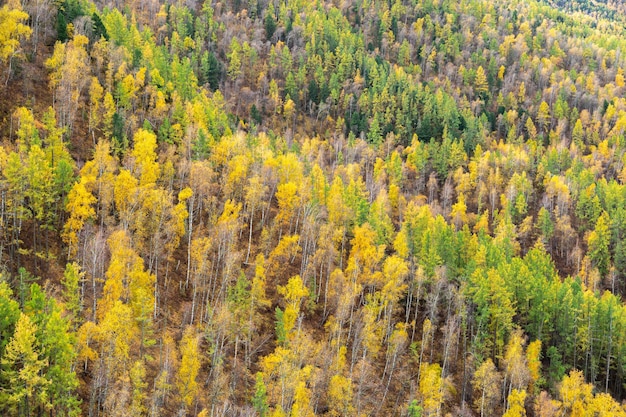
(294, 208)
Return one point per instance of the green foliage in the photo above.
(281, 333)
(415, 410)
(37, 365)
(598, 241)
(556, 370)
(476, 157)
(98, 27)
(24, 389)
(9, 314)
(269, 25)
(259, 401)
(211, 70)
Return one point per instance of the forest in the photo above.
(288, 208)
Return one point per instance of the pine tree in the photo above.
(480, 82)
(24, 388)
(71, 290)
(9, 315)
(259, 401)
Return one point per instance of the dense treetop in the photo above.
(408, 207)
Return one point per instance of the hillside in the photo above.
(271, 208)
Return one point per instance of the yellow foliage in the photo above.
(365, 256)
(288, 199)
(144, 152)
(458, 215)
(480, 82)
(126, 280)
(125, 194)
(395, 270)
(340, 396)
(13, 30)
(338, 212)
(603, 405)
(302, 401)
(486, 383)
(117, 335)
(401, 244)
(288, 247)
(230, 214)
(189, 367)
(257, 290)
(181, 214)
(85, 336)
(294, 291)
(619, 77)
(574, 392)
(80, 207)
(516, 404)
(533, 358)
(431, 388)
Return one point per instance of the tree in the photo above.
(80, 207)
(125, 194)
(258, 287)
(16, 210)
(301, 406)
(533, 358)
(293, 293)
(137, 379)
(516, 404)
(605, 405)
(269, 25)
(144, 152)
(69, 75)
(495, 308)
(259, 400)
(480, 82)
(255, 191)
(96, 94)
(186, 383)
(598, 241)
(340, 388)
(543, 116)
(71, 290)
(578, 134)
(575, 393)
(530, 128)
(56, 340)
(363, 262)
(287, 196)
(12, 32)
(415, 410)
(431, 388)
(545, 225)
(25, 388)
(116, 335)
(516, 370)
(127, 281)
(486, 383)
(234, 59)
(380, 220)
(588, 207)
(458, 214)
(109, 118)
(9, 315)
